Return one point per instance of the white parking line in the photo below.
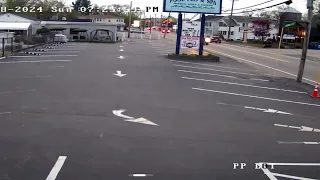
(234, 57)
(247, 85)
(212, 65)
(232, 72)
(38, 76)
(42, 56)
(257, 97)
(56, 168)
(21, 91)
(1, 113)
(40, 52)
(40, 61)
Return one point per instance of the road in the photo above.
(118, 111)
(283, 63)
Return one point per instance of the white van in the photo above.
(60, 38)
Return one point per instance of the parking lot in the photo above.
(58, 120)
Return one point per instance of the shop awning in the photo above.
(14, 26)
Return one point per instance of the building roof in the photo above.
(31, 16)
(291, 10)
(102, 16)
(14, 26)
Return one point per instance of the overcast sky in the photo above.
(300, 5)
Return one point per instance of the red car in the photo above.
(148, 28)
(164, 30)
(216, 39)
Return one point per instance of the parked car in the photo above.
(60, 38)
(215, 39)
(207, 40)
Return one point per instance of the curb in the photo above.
(43, 50)
(32, 53)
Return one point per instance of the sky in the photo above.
(300, 5)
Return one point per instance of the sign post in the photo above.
(203, 20)
(185, 40)
(179, 34)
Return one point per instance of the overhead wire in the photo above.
(250, 6)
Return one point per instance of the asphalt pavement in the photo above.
(124, 111)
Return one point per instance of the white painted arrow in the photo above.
(121, 57)
(121, 50)
(142, 121)
(302, 128)
(268, 110)
(119, 74)
(119, 113)
(121, 46)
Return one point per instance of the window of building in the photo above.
(209, 23)
(239, 29)
(243, 24)
(231, 33)
(224, 32)
(109, 20)
(221, 24)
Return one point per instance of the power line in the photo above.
(250, 6)
(259, 9)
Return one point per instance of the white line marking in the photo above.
(208, 74)
(247, 85)
(288, 142)
(257, 97)
(40, 61)
(248, 107)
(261, 109)
(234, 57)
(42, 56)
(291, 177)
(211, 65)
(294, 164)
(38, 76)
(269, 174)
(280, 125)
(295, 127)
(255, 54)
(1, 113)
(56, 168)
(41, 52)
(214, 70)
(32, 90)
(139, 175)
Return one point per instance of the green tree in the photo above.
(82, 3)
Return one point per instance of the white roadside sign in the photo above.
(190, 35)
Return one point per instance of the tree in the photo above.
(82, 3)
(261, 28)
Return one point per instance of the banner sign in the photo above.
(190, 42)
(190, 35)
(290, 24)
(193, 6)
(191, 28)
(289, 36)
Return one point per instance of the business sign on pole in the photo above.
(193, 6)
(190, 35)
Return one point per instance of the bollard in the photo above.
(3, 47)
(11, 45)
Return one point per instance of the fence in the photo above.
(21, 42)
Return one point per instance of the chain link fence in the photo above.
(21, 42)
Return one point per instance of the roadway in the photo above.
(116, 111)
(283, 63)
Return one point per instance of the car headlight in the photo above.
(207, 40)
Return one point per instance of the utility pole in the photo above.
(166, 30)
(230, 20)
(129, 24)
(305, 41)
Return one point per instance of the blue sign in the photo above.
(193, 6)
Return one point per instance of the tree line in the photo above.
(47, 13)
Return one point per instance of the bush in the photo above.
(43, 30)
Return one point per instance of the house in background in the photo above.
(19, 22)
(106, 19)
(219, 25)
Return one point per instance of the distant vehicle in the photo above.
(148, 28)
(207, 40)
(154, 27)
(164, 30)
(215, 39)
(136, 30)
(60, 38)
